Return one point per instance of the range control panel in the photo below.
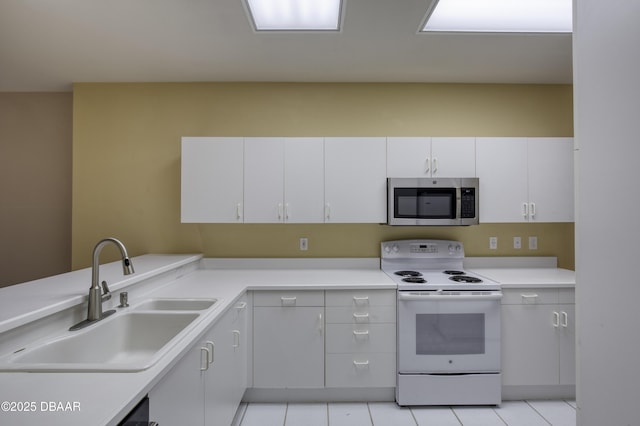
(422, 249)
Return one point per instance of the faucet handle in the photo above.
(106, 294)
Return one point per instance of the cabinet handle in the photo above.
(525, 210)
(320, 324)
(288, 301)
(280, 211)
(434, 168)
(427, 165)
(239, 211)
(359, 333)
(358, 316)
(207, 356)
(532, 210)
(241, 305)
(287, 211)
(236, 338)
(556, 319)
(360, 300)
(565, 320)
(361, 363)
(529, 298)
(327, 211)
(211, 345)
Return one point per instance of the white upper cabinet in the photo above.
(431, 157)
(263, 180)
(304, 180)
(355, 180)
(551, 193)
(284, 180)
(525, 179)
(212, 180)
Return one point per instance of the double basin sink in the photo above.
(131, 340)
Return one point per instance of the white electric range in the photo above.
(448, 326)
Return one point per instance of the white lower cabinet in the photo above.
(361, 338)
(538, 335)
(288, 339)
(207, 384)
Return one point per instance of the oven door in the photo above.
(448, 332)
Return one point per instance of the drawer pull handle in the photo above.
(361, 363)
(357, 316)
(529, 298)
(360, 333)
(360, 300)
(288, 301)
(241, 305)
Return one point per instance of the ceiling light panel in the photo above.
(528, 16)
(295, 15)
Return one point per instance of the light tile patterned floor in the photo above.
(510, 413)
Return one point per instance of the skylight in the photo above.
(518, 16)
(295, 15)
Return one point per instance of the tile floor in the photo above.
(511, 413)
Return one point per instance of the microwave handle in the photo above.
(459, 202)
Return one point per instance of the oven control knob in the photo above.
(396, 248)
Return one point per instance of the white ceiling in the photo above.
(45, 45)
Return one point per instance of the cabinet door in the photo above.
(502, 168)
(355, 180)
(408, 157)
(212, 179)
(304, 180)
(221, 381)
(550, 179)
(288, 347)
(263, 180)
(529, 345)
(178, 399)
(453, 157)
(567, 342)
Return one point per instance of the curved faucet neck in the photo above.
(95, 266)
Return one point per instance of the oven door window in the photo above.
(420, 203)
(450, 334)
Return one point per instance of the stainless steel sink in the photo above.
(176, 304)
(131, 341)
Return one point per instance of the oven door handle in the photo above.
(451, 297)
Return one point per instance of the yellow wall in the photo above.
(126, 158)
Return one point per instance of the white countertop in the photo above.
(105, 398)
(529, 277)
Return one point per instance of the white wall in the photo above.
(607, 132)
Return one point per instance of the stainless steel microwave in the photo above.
(433, 201)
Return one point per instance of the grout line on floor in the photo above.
(538, 412)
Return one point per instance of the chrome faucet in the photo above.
(98, 295)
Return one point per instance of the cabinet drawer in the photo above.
(567, 296)
(288, 298)
(360, 315)
(530, 296)
(348, 338)
(359, 298)
(361, 370)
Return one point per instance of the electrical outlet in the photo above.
(493, 243)
(533, 243)
(304, 244)
(517, 242)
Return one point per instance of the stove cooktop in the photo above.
(430, 265)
